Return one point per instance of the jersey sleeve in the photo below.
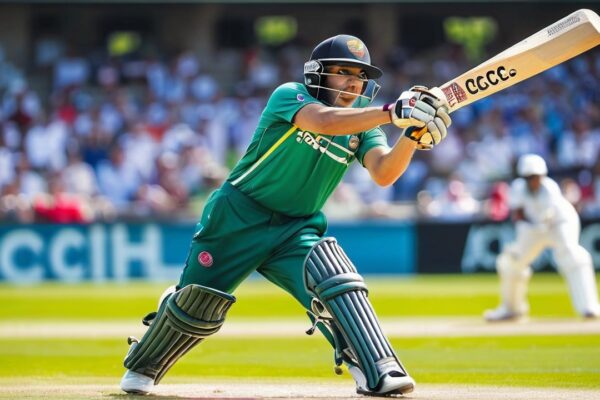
(552, 188)
(370, 139)
(516, 197)
(286, 100)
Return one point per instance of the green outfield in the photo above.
(534, 360)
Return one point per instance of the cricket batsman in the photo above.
(267, 217)
(543, 218)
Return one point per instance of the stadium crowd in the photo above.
(96, 138)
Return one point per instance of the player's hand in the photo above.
(433, 133)
(434, 130)
(430, 97)
(409, 110)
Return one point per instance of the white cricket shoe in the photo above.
(503, 314)
(390, 384)
(591, 315)
(133, 382)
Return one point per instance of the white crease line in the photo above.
(409, 327)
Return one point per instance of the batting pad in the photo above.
(332, 278)
(187, 317)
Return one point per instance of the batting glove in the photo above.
(435, 128)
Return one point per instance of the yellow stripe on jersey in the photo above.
(267, 154)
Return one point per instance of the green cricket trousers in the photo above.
(237, 236)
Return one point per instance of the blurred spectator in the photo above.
(59, 206)
(118, 179)
(141, 150)
(45, 144)
(28, 181)
(14, 206)
(496, 207)
(344, 204)
(22, 107)
(10, 76)
(409, 184)
(7, 164)
(571, 191)
(579, 146)
(150, 134)
(592, 204)
(169, 178)
(71, 71)
(79, 177)
(95, 147)
(456, 203)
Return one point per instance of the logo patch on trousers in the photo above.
(205, 259)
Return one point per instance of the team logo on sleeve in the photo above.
(299, 97)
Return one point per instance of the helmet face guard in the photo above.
(314, 77)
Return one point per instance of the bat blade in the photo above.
(557, 43)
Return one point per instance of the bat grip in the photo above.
(422, 143)
(421, 131)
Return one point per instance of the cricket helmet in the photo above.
(342, 50)
(531, 164)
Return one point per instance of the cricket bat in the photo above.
(564, 39)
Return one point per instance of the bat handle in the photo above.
(420, 132)
(422, 143)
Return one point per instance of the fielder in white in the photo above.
(543, 218)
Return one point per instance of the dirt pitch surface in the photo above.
(286, 390)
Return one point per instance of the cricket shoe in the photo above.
(591, 315)
(393, 383)
(135, 383)
(503, 314)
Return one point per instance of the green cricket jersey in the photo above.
(291, 171)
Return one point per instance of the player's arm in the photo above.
(386, 165)
(318, 118)
(516, 200)
(414, 108)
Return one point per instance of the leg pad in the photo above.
(184, 319)
(332, 279)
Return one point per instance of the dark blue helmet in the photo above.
(342, 50)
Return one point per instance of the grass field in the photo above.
(544, 360)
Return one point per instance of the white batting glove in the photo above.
(430, 97)
(408, 111)
(432, 134)
(431, 113)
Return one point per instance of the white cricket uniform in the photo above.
(547, 206)
(552, 222)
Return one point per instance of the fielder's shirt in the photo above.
(547, 206)
(292, 171)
